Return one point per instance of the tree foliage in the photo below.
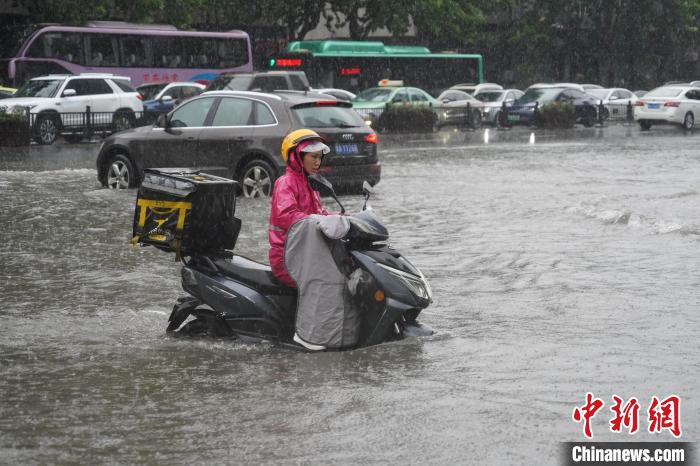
(638, 42)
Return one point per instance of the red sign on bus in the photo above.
(350, 71)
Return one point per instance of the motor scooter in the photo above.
(233, 296)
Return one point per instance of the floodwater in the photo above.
(567, 266)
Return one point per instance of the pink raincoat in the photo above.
(292, 200)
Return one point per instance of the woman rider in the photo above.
(292, 197)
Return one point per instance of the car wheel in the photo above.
(120, 173)
(688, 121)
(46, 129)
(645, 125)
(257, 178)
(476, 119)
(123, 121)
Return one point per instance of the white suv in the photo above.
(59, 103)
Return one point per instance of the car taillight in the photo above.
(672, 104)
(640, 103)
(372, 138)
(139, 96)
(324, 103)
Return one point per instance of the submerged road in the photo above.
(567, 266)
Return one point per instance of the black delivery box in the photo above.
(185, 212)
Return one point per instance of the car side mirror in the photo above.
(446, 101)
(613, 97)
(324, 187)
(166, 98)
(510, 102)
(162, 121)
(69, 93)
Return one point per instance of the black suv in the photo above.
(239, 135)
(263, 81)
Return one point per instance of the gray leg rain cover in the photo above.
(325, 312)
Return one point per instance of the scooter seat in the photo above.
(253, 273)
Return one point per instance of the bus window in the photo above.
(134, 51)
(167, 52)
(102, 49)
(25, 70)
(65, 46)
(232, 52)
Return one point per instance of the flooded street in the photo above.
(562, 267)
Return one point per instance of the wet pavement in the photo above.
(559, 267)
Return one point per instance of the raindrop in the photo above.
(486, 136)
(532, 138)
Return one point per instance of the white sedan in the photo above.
(616, 100)
(669, 104)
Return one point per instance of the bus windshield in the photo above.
(39, 88)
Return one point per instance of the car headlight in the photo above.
(418, 285)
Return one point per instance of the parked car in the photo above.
(58, 104)
(523, 109)
(493, 102)
(263, 81)
(616, 100)
(238, 135)
(372, 102)
(578, 87)
(341, 94)
(163, 97)
(669, 104)
(455, 103)
(472, 89)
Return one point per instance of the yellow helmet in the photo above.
(292, 140)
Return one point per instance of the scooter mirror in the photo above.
(367, 188)
(325, 188)
(322, 185)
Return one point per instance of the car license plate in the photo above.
(346, 149)
(513, 117)
(653, 106)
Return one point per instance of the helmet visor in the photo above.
(315, 146)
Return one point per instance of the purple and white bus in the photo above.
(145, 53)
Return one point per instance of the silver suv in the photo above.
(59, 103)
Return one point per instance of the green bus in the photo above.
(358, 65)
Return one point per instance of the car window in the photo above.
(375, 94)
(123, 85)
(490, 96)
(150, 91)
(99, 86)
(269, 83)
(417, 96)
(297, 82)
(264, 115)
(39, 88)
(693, 95)
(234, 111)
(81, 86)
(174, 92)
(400, 96)
(189, 91)
(622, 94)
(329, 117)
(192, 114)
(664, 92)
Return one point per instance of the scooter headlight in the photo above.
(418, 285)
